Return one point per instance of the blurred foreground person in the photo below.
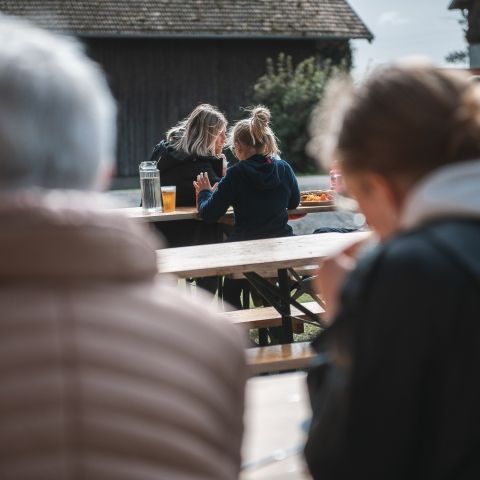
(398, 395)
(107, 372)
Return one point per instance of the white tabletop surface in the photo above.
(253, 255)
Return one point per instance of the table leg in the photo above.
(283, 285)
(263, 337)
(271, 293)
(279, 297)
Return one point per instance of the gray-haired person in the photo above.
(106, 371)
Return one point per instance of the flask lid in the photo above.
(150, 165)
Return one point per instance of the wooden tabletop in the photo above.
(180, 213)
(253, 255)
(276, 409)
(190, 213)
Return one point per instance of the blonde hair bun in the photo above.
(261, 115)
(255, 131)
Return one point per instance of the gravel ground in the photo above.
(303, 226)
(313, 221)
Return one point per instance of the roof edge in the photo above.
(236, 36)
(459, 4)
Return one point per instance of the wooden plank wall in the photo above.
(157, 82)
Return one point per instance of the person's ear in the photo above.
(238, 150)
(384, 190)
(385, 204)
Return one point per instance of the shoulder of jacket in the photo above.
(284, 164)
(408, 257)
(157, 151)
(413, 244)
(205, 158)
(234, 169)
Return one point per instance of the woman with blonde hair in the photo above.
(192, 146)
(260, 187)
(398, 397)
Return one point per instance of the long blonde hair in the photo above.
(197, 133)
(255, 132)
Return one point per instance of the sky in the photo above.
(406, 27)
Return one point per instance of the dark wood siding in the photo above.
(157, 82)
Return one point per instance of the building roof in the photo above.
(459, 4)
(187, 18)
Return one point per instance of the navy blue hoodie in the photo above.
(260, 190)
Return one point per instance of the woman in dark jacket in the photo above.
(260, 188)
(179, 168)
(193, 146)
(397, 395)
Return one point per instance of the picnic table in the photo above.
(191, 213)
(254, 258)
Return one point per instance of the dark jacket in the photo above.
(398, 394)
(181, 169)
(260, 190)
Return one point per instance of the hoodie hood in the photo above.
(168, 157)
(452, 191)
(260, 172)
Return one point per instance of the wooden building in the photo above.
(472, 10)
(163, 57)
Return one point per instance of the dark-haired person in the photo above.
(399, 395)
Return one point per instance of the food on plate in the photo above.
(311, 197)
(316, 196)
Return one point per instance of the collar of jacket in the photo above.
(169, 158)
(258, 157)
(70, 236)
(450, 191)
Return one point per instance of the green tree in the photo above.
(291, 93)
(460, 56)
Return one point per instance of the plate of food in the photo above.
(317, 197)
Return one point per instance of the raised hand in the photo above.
(203, 183)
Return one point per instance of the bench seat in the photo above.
(302, 271)
(263, 317)
(276, 358)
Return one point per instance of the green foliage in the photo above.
(460, 56)
(291, 93)
(457, 56)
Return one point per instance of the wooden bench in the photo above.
(263, 317)
(306, 270)
(276, 358)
